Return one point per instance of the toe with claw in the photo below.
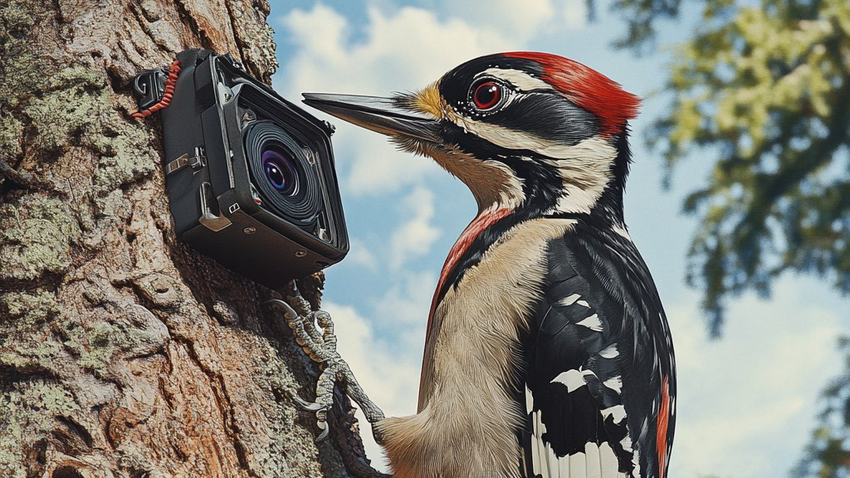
(314, 333)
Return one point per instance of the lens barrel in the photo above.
(283, 173)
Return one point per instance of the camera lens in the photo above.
(286, 181)
(280, 171)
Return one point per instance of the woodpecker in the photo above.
(548, 353)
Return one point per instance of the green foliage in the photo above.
(640, 16)
(763, 86)
(766, 89)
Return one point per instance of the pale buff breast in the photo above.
(467, 420)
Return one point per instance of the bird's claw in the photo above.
(324, 433)
(309, 406)
(288, 312)
(321, 411)
(319, 343)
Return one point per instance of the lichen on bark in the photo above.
(122, 352)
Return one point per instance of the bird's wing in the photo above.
(599, 381)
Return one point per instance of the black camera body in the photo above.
(250, 176)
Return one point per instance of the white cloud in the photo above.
(747, 401)
(391, 379)
(415, 236)
(385, 350)
(401, 51)
(520, 21)
(360, 254)
(377, 167)
(408, 300)
(574, 13)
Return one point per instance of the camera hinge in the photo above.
(196, 162)
(208, 218)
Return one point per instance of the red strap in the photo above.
(167, 94)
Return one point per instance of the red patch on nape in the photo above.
(587, 88)
(661, 427)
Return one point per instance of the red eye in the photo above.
(487, 95)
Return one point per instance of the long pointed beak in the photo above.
(387, 116)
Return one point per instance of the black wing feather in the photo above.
(600, 319)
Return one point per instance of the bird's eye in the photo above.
(487, 95)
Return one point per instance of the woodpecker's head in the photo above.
(524, 131)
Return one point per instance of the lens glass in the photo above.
(280, 171)
(284, 177)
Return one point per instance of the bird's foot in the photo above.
(314, 333)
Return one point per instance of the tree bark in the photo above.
(123, 353)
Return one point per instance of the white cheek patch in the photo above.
(585, 167)
(594, 149)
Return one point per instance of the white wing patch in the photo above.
(569, 300)
(609, 352)
(572, 379)
(617, 412)
(609, 463)
(593, 323)
(614, 383)
(628, 446)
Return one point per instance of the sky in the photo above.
(746, 402)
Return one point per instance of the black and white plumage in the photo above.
(548, 352)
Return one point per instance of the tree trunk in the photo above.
(122, 352)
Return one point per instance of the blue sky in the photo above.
(746, 402)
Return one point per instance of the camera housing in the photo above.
(250, 176)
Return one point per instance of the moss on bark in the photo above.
(122, 352)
